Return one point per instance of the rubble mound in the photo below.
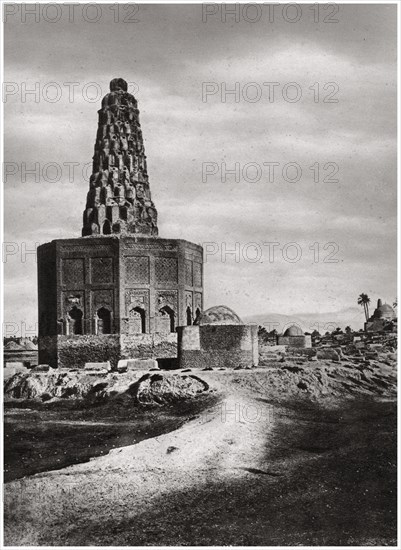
(47, 385)
(162, 388)
(144, 388)
(315, 381)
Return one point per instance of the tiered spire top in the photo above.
(119, 200)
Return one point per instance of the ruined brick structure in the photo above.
(119, 291)
(218, 339)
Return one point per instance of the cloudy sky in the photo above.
(332, 107)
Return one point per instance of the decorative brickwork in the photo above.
(137, 269)
(119, 200)
(166, 270)
(197, 274)
(102, 270)
(73, 271)
(188, 272)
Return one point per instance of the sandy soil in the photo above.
(261, 467)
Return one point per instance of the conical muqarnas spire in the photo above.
(119, 200)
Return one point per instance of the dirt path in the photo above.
(243, 472)
(225, 442)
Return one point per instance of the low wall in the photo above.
(76, 350)
(218, 346)
(148, 346)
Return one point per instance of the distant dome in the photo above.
(385, 311)
(293, 331)
(219, 315)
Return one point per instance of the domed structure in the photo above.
(381, 319)
(294, 337)
(219, 315)
(384, 311)
(293, 330)
(218, 338)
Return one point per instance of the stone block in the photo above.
(41, 368)
(138, 364)
(98, 367)
(122, 366)
(15, 364)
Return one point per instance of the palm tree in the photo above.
(364, 300)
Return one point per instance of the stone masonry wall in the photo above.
(75, 351)
(144, 346)
(217, 346)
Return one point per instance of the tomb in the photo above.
(120, 290)
(218, 339)
(294, 337)
(383, 318)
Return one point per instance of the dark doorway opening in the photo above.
(75, 315)
(189, 316)
(103, 321)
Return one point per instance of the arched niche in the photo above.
(137, 320)
(189, 316)
(169, 314)
(106, 228)
(103, 321)
(75, 316)
(197, 316)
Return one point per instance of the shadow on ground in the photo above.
(330, 480)
(39, 437)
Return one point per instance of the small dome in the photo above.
(386, 311)
(293, 331)
(219, 315)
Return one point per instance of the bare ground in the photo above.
(271, 463)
